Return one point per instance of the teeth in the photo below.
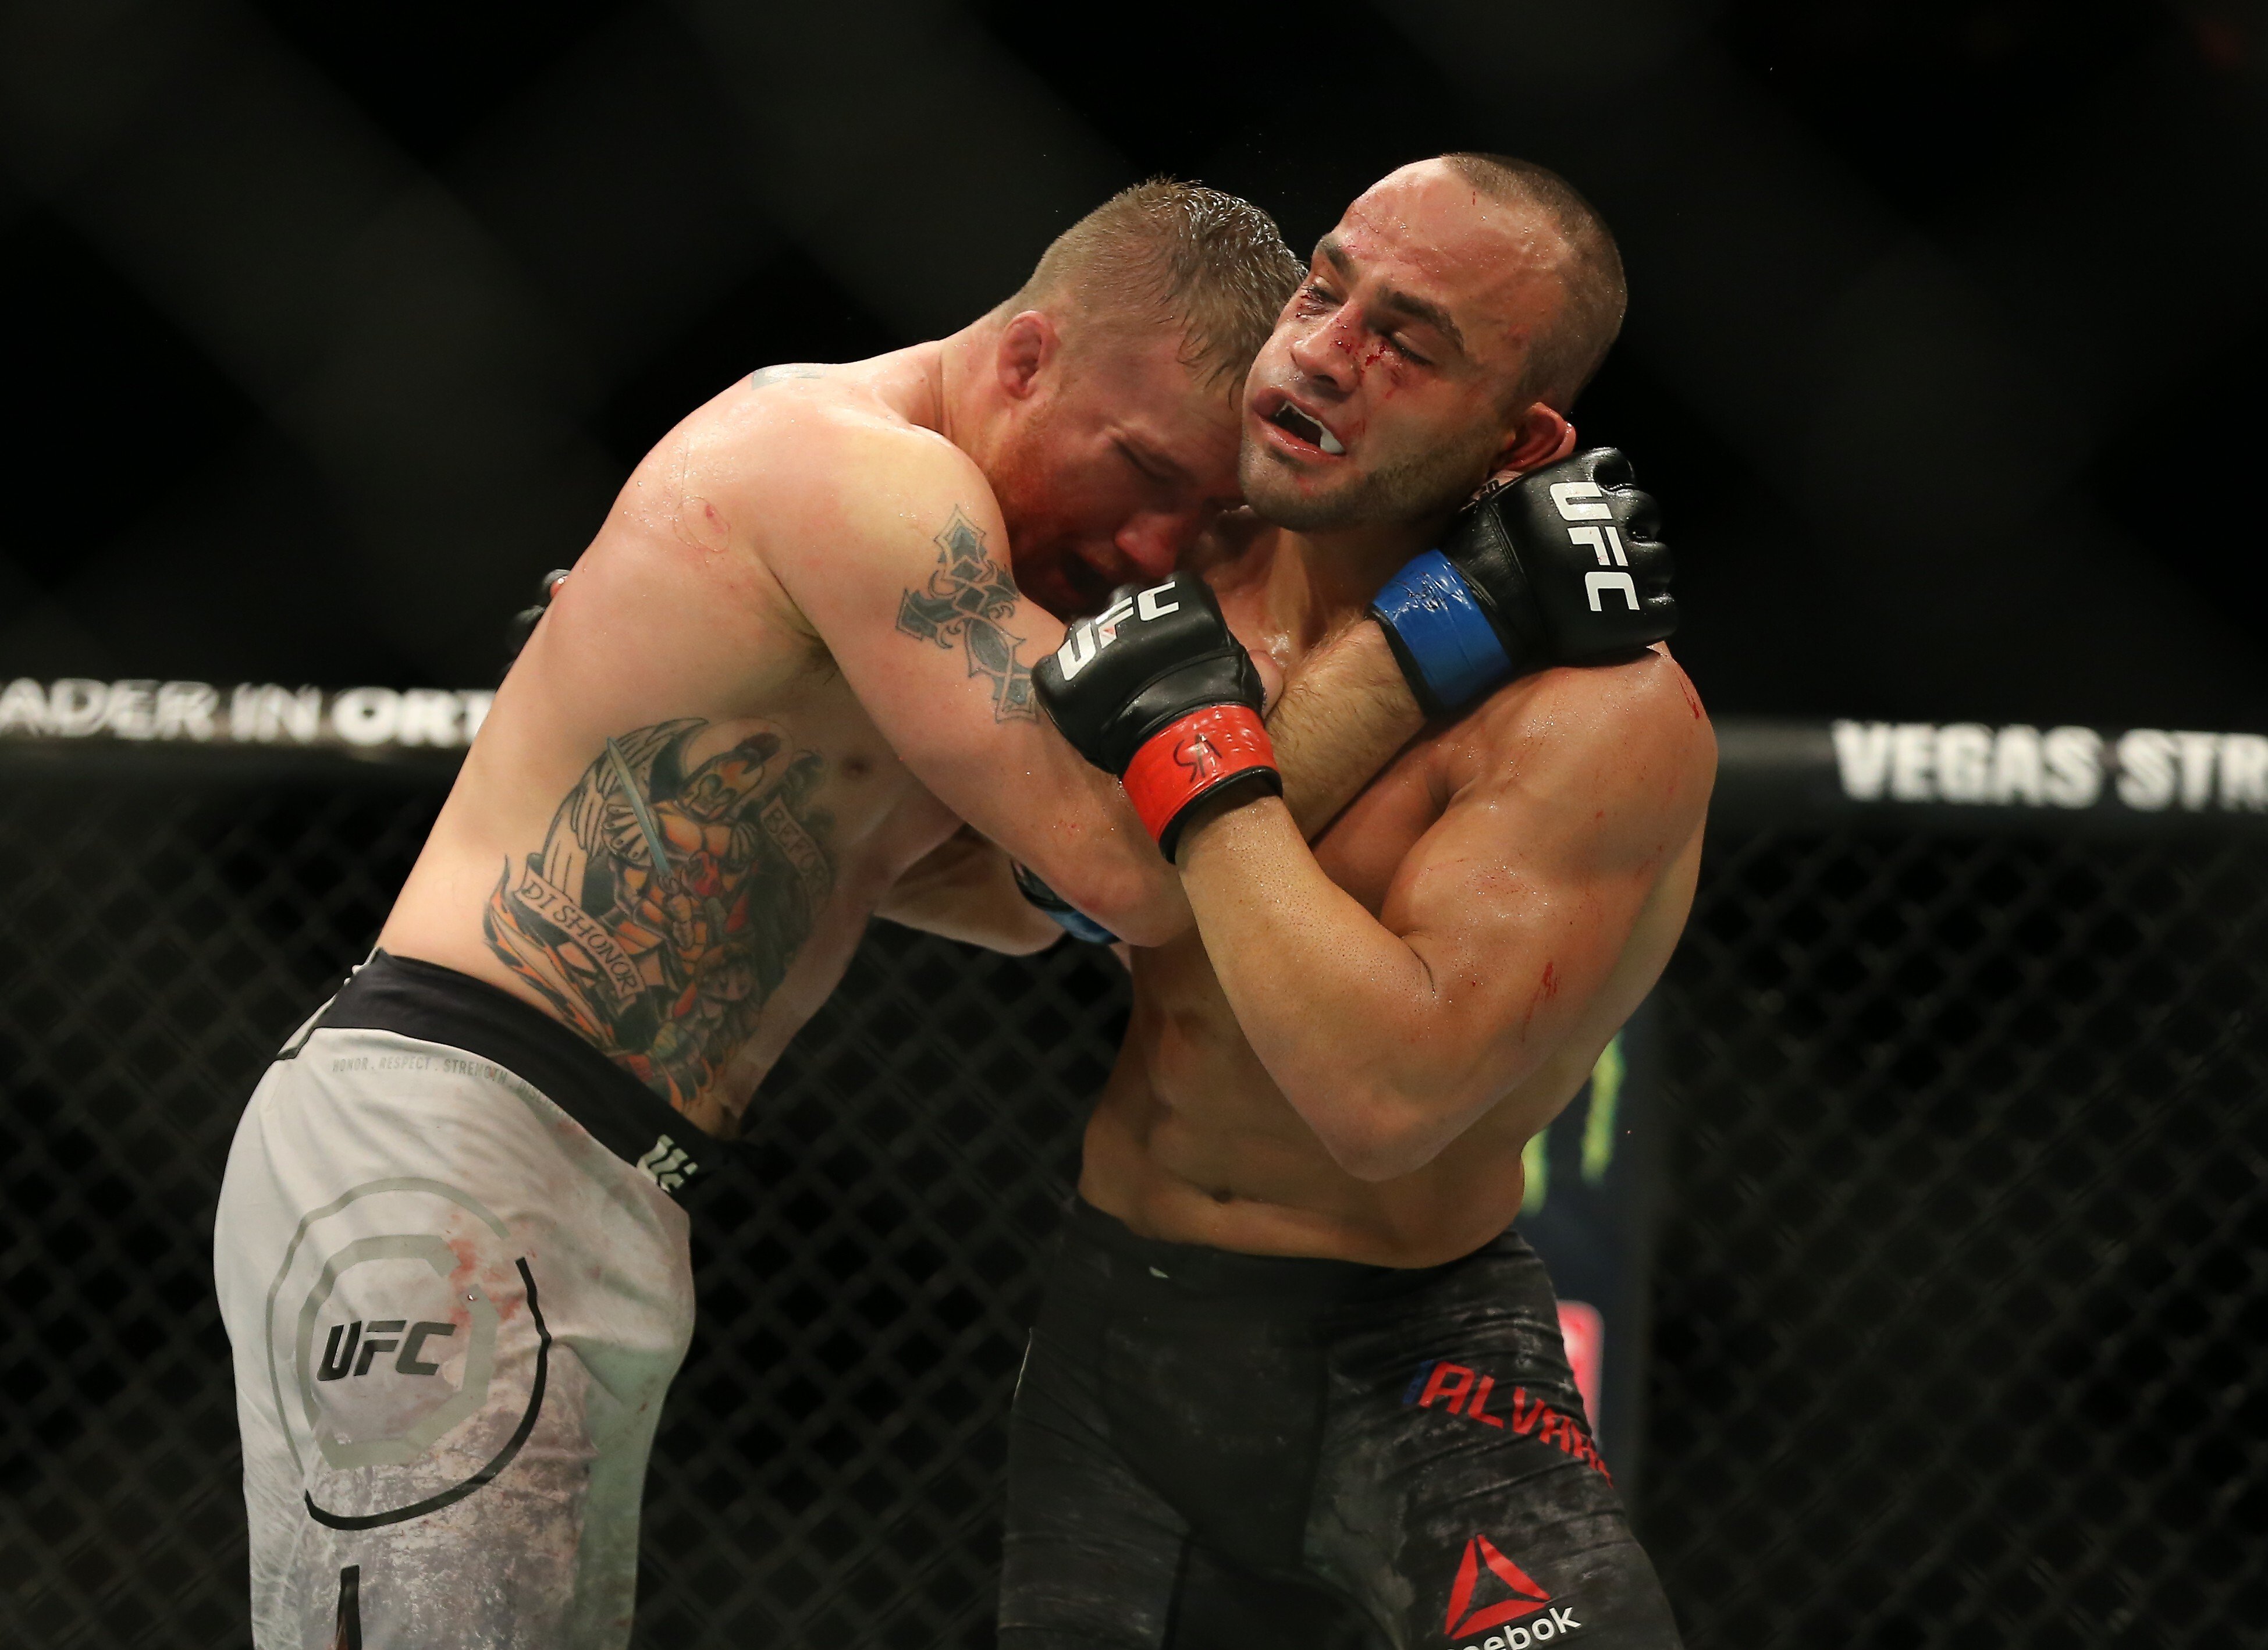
(1299, 424)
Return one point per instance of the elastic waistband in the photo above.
(434, 1003)
(1263, 1281)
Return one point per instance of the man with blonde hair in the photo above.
(791, 667)
(787, 688)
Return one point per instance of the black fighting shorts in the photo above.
(1211, 1449)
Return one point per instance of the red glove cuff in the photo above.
(1201, 752)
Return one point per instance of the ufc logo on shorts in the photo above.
(1089, 637)
(1586, 502)
(380, 1336)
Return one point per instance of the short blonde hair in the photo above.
(1165, 252)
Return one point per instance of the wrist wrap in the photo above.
(1067, 917)
(1441, 638)
(1193, 755)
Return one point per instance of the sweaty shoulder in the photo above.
(802, 467)
(786, 469)
(1614, 748)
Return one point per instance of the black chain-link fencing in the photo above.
(1962, 1318)
(1962, 1303)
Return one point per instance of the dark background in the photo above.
(329, 326)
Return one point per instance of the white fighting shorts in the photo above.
(457, 1285)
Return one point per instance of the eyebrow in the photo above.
(1392, 298)
(1147, 456)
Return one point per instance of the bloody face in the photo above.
(1114, 471)
(1389, 384)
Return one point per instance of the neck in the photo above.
(934, 385)
(1320, 581)
(958, 370)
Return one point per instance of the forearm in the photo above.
(1341, 718)
(965, 889)
(1345, 1015)
(1095, 854)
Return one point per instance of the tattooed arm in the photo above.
(897, 557)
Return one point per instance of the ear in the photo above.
(1542, 436)
(1028, 345)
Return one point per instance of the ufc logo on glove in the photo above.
(1090, 636)
(1586, 501)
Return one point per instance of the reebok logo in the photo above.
(376, 1337)
(1481, 1569)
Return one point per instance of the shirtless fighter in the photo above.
(1295, 1380)
(792, 664)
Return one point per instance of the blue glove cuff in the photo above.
(1079, 925)
(1440, 633)
(1066, 916)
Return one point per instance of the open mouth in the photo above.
(1292, 421)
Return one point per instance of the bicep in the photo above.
(912, 595)
(1520, 912)
(913, 598)
(1525, 894)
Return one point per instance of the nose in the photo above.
(1325, 353)
(1154, 541)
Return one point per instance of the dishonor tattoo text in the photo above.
(676, 884)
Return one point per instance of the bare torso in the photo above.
(1193, 1141)
(675, 708)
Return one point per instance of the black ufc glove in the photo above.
(1560, 568)
(1155, 689)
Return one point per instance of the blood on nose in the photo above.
(1324, 353)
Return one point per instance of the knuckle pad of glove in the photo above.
(1151, 672)
(1608, 466)
(1636, 513)
(1579, 586)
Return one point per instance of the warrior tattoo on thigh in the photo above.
(673, 892)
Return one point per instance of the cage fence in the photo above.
(1961, 1311)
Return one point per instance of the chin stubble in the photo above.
(1414, 489)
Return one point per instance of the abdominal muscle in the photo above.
(1193, 1142)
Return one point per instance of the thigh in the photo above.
(445, 1443)
(1100, 1548)
(1091, 1554)
(1461, 1498)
